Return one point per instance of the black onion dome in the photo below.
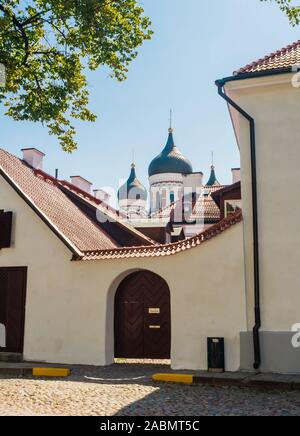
(132, 189)
(170, 160)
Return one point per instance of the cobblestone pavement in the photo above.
(127, 390)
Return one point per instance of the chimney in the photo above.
(236, 175)
(81, 183)
(33, 157)
(101, 195)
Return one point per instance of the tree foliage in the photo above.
(291, 9)
(46, 47)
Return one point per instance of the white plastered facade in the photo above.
(70, 305)
(275, 106)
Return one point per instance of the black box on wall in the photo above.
(216, 354)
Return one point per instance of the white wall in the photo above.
(193, 182)
(275, 105)
(69, 307)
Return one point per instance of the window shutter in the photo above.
(5, 229)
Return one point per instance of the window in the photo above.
(5, 229)
(172, 197)
(231, 206)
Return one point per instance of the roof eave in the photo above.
(253, 74)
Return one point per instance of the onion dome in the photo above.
(170, 160)
(132, 189)
(213, 179)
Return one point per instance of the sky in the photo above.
(195, 42)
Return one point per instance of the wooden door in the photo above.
(143, 317)
(12, 307)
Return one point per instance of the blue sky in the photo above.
(195, 42)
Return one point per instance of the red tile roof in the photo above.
(284, 58)
(43, 192)
(168, 249)
(205, 209)
(110, 212)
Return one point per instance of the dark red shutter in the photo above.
(5, 229)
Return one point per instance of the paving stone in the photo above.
(127, 390)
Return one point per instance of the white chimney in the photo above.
(101, 195)
(33, 157)
(81, 183)
(236, 175)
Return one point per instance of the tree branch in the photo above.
(18, 26)
(35, 17)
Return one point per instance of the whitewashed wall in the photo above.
(69, 307)
(275, 105)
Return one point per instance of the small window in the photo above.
(138, 196)
(5, 229)
(231, 206)
(172, 197)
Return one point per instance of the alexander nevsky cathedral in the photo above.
(180, 204)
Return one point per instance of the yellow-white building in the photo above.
(79, 285)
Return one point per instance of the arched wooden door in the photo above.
(143, 317)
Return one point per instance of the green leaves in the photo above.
(290, 9)
(46, 46)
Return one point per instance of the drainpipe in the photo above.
(256, 339)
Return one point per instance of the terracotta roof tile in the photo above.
(286, 57)
(110, 212)
(168, 249)
(205, 209)
(44, 193)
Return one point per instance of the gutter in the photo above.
(257, 311)
(254, 74)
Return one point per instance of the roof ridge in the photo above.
(166, 249)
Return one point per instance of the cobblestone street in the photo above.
(128, 390)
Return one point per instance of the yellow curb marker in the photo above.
(173, 378)
(51, 372)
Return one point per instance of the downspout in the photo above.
(256, 338)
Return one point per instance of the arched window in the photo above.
(172, 197)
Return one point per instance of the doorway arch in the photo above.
(142, 321)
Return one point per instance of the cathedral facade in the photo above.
(178, 204)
